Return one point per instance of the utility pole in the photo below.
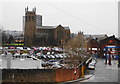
(82, 47)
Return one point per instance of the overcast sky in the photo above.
(89, 16)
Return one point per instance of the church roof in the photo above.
(51, 27)
(45, 27)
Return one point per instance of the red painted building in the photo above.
(111, 43)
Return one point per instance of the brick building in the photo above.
(111, 43)
(37, 34)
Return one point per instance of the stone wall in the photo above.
(28, 75)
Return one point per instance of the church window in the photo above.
(26, 18)
(33, 18)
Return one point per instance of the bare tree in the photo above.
(75, 43)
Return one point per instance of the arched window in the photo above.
(26, 18)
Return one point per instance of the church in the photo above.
(38, 35)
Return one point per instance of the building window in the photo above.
(26, 18)
(33, 18)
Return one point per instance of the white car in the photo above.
(91, 66)
(1, 48)
(57, 56)
(25, 54)
(52, 56)
(64, 56)
(93, 61)
(61, 56)
(28, 48)
(21, 48)
(16, 54)
(38, 54)
(56, 66)
(3, 55)
(48, 53)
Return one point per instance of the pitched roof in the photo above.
(51, 27)
(45, 27)
(99, 36)
(111, 37)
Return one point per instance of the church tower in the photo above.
(29, 24)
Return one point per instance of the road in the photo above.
(103, 73)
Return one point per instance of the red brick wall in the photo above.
(41, 75)
(63, 75)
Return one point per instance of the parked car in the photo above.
(28, 48)
(48, 56)
(1, 48)
(91, 66)
(3, 55)
(94, 61)
(45, 64)
(56, 66)
(24, 54)
(12, 47)
(61, 56)
(21, 48)
(57, 56)
(53, 61)
(16, 54)
(43, 56)
(52, 56)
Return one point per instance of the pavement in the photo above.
(21, 63)
(103, 73)
(74, 81)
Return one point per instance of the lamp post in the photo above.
(9, 56)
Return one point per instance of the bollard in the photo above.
(9, 56)
(83, 71)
